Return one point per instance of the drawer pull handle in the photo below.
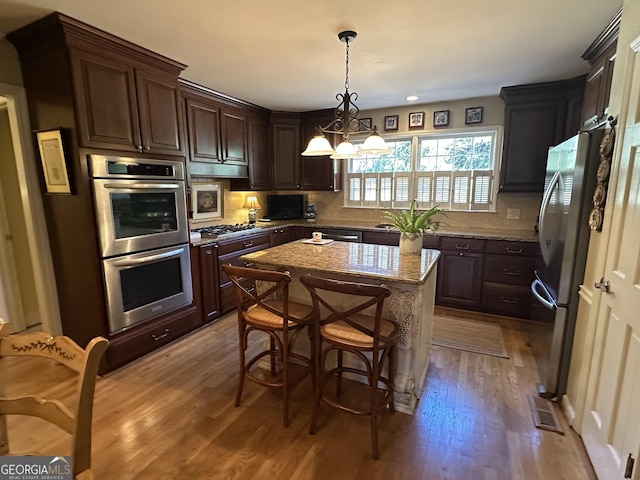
(516, 252)
(508, 300)
(515, 274)
(248, 244)
(467, 247)
(160, 337)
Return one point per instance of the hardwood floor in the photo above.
(170, 415)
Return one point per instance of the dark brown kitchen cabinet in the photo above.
(229, 252)
(459, 281)
(601, 56)
(281, 235)
(298, 232)
(260, 156)
(125, 107)
(319, 173)
(508, 272)
(209, 282)
(286, 153)
(215, 134)
(392, 237)
(537, 116)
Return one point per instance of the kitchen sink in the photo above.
(386, 226)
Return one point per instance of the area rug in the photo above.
(469, 335)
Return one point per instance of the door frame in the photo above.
(35, 221)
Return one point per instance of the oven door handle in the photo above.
(149, 258)
(143, 186)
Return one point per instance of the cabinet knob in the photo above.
(139, 148)
(147, 147)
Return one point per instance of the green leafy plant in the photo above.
(412, 221)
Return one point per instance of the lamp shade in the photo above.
(345, 150)
(251, 202)
(318, 145)
(375, 145)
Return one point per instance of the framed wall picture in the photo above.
(441, 118)
(206, 200)
(473, 115)
(391, 122)
(416, 120)
(54, 163)
(365, 124)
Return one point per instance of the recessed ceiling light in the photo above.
(412, 98)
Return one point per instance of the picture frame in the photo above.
(207, 200)
(416, 120)
(364, 125)
(441, 118)
(390, 123)
(473, 115)
(54, 162)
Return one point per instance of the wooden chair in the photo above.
(75, 421)
(262, 299)
(343, 323)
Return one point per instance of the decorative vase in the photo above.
(410, 243)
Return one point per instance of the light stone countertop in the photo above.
(360, 260)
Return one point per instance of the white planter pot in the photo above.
(410, 243)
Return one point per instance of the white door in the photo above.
(611, 428)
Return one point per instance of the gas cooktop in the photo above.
(221, 231)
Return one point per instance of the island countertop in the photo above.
(379, 262)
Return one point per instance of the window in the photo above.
(453, 170)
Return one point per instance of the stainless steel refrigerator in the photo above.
(563, 234)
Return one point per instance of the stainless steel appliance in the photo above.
(563, 234)
(141, 215)
(142, 286)
(140, 204)
(225, 231)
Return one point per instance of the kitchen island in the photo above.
(411, 279)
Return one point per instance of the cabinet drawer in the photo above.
(506, 247)
(506, 299)
(430, 241)
(381, 238)
(462, 244)
(250, 241)
(511, 270)
(234, 259)
(149, 336)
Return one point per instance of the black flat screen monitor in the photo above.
(285, 207)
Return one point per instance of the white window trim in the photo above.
(496, 130)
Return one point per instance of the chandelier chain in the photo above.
(346, 69)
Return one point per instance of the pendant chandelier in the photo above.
(346, 122)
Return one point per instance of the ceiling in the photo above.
(285, 54)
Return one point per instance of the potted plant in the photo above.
(412, 225)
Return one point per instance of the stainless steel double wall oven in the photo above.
(143, 230)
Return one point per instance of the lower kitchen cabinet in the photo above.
(459, 281)
(508, 273)
(281, 235)
(229, 252)
(209, 282)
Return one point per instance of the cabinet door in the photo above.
(280, 236)
(381, 238)
(105, 93)
(234, 138)
(459, 282)
(159, 106)
(203, 125)
(529, 132)
(598, 87)
(286, 156)
(260, 165)
(318, 173)
(210, 283)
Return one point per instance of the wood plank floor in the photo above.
(170, 415)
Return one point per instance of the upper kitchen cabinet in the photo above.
(537, 116)
(601, 56)
(291, 132)
(118, 96)
(260, 157)
(318, 173)
(225, 134)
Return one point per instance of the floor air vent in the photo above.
(544, 415)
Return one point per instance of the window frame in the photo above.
(496, 131)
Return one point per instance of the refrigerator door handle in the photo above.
(545, 300)
(544, 248)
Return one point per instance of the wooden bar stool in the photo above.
(262, 298)
(343, 323)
